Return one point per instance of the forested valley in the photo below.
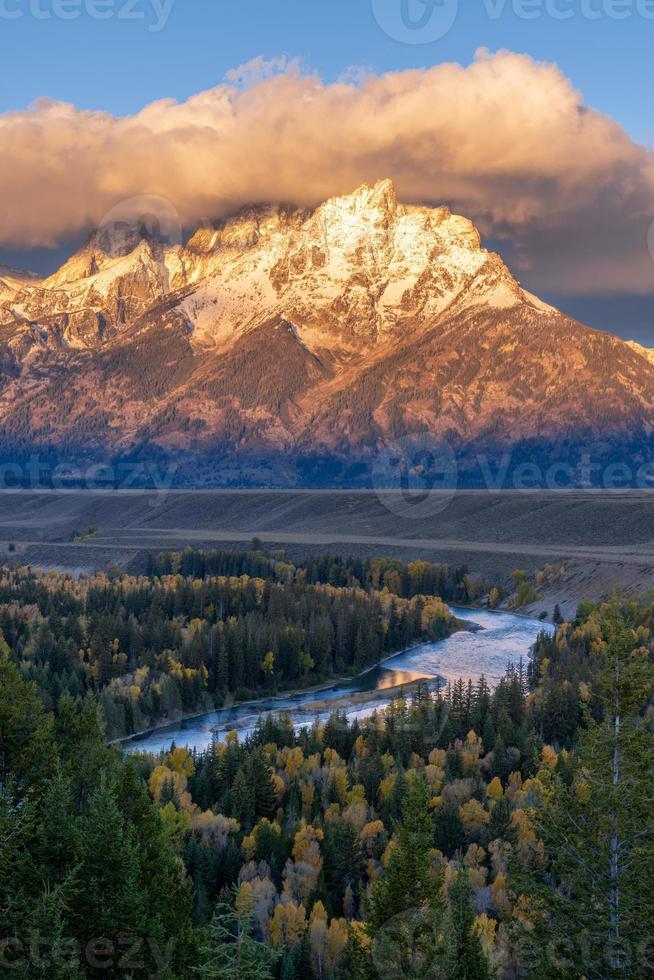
(462, 833)
(203, 629)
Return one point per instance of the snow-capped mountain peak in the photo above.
(287, 330)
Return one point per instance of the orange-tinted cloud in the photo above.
(506, 141)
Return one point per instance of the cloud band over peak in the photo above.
(507, 141)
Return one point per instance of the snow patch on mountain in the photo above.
(646, 352)
(409, 323)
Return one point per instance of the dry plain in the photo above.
(598, 540)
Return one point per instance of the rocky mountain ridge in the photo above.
(292, 346)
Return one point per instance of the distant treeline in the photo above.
(402, 579)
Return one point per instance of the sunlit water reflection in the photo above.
(503, 638)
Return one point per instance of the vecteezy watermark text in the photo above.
(417, 475)
(568, 9)
(154, 14)
(36, 473)
(585, 474)
(125, 954)
(427, 21)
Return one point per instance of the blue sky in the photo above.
(144, 50)
(120, 63)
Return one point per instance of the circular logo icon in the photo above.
(416, 21)
(416, 475)
(404, 946)
(145, 216)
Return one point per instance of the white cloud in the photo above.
(506, 141)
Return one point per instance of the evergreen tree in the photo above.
(259, 773)
(463, 957)
(449, 831)
(410, 884)
(26, 749)
(108, 901)
(357, 963)
(342, 863)
(55, 840)
(166, 893)
(53, 953)
(243, 800)
(499, 825)
(230, 952)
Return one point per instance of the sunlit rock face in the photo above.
(283, 335)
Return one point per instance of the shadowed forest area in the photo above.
(463, 832)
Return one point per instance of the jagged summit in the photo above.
(372, 200)
(118, 238)
(360, 267)
(321, 332)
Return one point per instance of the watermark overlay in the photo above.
(511, 473)
(428, 21)
(153, 14)
(415, 476)
(416, 21)
(421, 471)
(402, 946)
(39, 473)
(418, 475)
(33, 951)
(146, 216)
(563, 954)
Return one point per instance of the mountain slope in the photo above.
(289, 345)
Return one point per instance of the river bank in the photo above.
(497, 638)
(328, 685)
